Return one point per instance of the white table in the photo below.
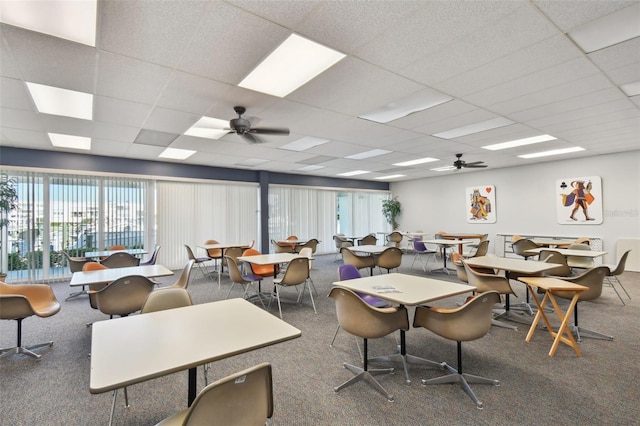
(446, 243)
(570, 252)
(108, 275)
(405, 290)
(133, 349)
(268, 259)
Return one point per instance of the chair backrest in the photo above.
(312, 244)
(75, 263)
(251, 244)
(350, 258)
(22, 300)
(550, 256)
(580, 261)
(166, 298)
(154, 257)
(190, 254)
(619, 269)
(308, 253)
(116, 247)
(214, 253)
(368, 240)
(234, 270)
(456, 259)
(93, 266)
(515, 238)
(418, 245)
(282, 248)
(359, 318)
(348, 272)
(120, 260)
(232, 252)
(521, 246)
(243, 398)
(395, 237)
(482, 249)
(297, 272)
(470, 321)
(124, 295)
(487, 282)
(390, 258)
(592, 278)
(183, 279)
(583, 240)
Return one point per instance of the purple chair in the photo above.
(350, 272)
(420, 249)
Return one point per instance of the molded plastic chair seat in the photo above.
(390, 258)
(19, 301)
(580, 262)
(75, 265)
(154, 257)
(124, 295)
(183, 279)
(615, 271)
(200, 262)
(297, 273)
(368, 240)
(261, 270)
(245, 280)
(360, 262)
(521, 247)
(420, 249)
(120, 260)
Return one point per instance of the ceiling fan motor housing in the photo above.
(240, 125)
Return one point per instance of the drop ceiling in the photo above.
(161, 66)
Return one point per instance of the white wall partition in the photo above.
(525, 200)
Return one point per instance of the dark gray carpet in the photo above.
(600, 388)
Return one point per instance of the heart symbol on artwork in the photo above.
(488, 189)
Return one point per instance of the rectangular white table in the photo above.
(405, 290)
(446, 243)
(569, 252)
(108, 275)
(133, 349)
(268, 259)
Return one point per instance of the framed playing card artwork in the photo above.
(481, 204)
(579, 200)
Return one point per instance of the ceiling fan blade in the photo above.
(475, 165)
(270, 130)
(251, 138)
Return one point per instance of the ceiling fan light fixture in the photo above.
(295, 62)
(519, 142)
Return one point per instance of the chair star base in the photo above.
(4, 352)
(580, 331)
(77, 293)
(367, 375)
(464, 379)
(406, 359)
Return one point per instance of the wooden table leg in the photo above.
(564, 329)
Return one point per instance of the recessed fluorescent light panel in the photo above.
(475, 128)
(443, 169)
(368, 154)
(71, 20)
(389, 177)
(609, 30)
(309, 168)
(56, 101)
(296, 61)
(303, 144)
(519, 142)
(176, 153)
(416, 162)
(209, 128)
(631, 89)
(419, 101)
(353, 173)
(552, 152)
(70, 141)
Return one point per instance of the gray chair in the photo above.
(183, 279)
(123, 296)
(481, 250)
(200, 262)
(394, 239)
(580, 262)
(341, 242)
(615, 271)
(241, 399)
(244, 280)
(312, 244)
(20, 301)
(470, 321)
(296, 274)
(166, 298)
(120, 260)
(390, 258)
(521, 247)
(75, 265)
(594, 280)
(360, 319)
(282, 247)
(360, 262)
(368, 240)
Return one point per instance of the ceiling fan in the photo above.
(460, 163)
(242, 127)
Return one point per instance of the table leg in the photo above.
(192, 386)
(564, 329)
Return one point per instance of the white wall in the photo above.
(525, 200)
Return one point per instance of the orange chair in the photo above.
(261, 270)
(294, 238)
(114, 248)
(215, 254)
(94, 266)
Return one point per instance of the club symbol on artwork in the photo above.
(563, 185)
